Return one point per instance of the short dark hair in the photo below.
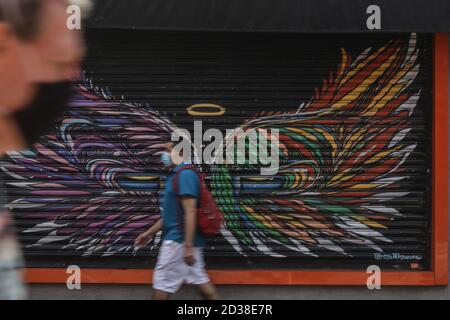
(22, 15)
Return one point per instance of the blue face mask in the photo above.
(165, 159)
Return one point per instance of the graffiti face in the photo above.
(95, 184)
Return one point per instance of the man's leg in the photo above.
(199, 277)
(208, 291)
(160, 295)
(169, 270)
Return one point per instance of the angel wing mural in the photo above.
(342, 161)
(92, 192)
(94, 185)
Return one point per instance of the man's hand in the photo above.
(144, 238)
(148, 235)
(189, 255)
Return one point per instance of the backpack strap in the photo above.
(176, 178)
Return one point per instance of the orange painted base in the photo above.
(236, 277)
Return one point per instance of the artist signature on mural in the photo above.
(397, 256)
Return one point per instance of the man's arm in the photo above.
(148, 235)
(156, 227)
(188, 191)
(190, 211)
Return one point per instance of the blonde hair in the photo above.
(23, 15)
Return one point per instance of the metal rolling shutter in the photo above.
(326, 220)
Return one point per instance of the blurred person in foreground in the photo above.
(39, 56)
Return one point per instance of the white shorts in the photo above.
(171, 271)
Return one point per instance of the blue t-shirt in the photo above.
(173, 217)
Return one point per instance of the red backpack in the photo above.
(209, 216)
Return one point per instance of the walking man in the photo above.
(180, 259)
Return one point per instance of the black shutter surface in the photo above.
(354, 119)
